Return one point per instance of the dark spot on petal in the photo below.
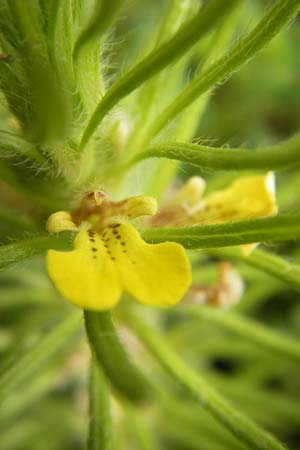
(94, 257)
(105, 245)
(123, 243)
(124, 251)
(92, 239)
(118, 237)
(94, 249)
(115, 232)
(112, 258)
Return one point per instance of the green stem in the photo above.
(19, 251)
(100, 426)
(271, 229)
(279, 156)
(269, 26)
(274, 265)
(112, 356)
(239, 425)
(190, 33)
(247, 328)
(38, 355)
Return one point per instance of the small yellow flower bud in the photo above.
(191, 192)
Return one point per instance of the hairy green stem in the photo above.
(190, 33)
(240, 426)
(112, 356)
(279, 156)
(271, 229)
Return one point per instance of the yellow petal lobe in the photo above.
(247, 198)
(60, 221)
(156, 275)
(140, 205)
(86, 276)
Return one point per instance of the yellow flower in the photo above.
(247, 197)
(110, 257)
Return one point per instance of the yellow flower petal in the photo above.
(60, 221)
(157, 275)
(247, 198)
(86, 276)
(140, 205)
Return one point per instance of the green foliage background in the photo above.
(223, 377)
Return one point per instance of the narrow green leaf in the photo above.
(88, 50)
(281, 269)
(13, 81)
(270, 25)
(60, 38)
(279, 156)
(38, 355)
(100, 425)
(19, 251)
(112, 356)
(239, 425)
(101, 19)
(271, 229)
(208, 17)
(247, 328)
(48, 114)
